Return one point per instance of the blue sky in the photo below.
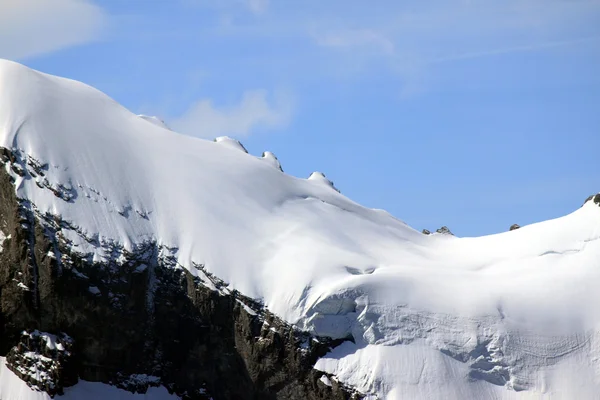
(475, 114)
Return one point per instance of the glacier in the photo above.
(506, 316)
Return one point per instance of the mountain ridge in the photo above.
(105, 185)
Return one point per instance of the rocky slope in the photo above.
(139, 320)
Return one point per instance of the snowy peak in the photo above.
(428, 314)
(272, 160)
(116, 178)
(231, 143)
(321, 179)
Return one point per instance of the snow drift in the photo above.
(511, 315)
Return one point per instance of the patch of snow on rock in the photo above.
(94, 290)
(3, 237)
(246, 308)
(325, 380)
(140, 268)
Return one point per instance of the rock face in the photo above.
(444, 230)
(594, 197)
(139, 320)
(514, 226)
(44, 361)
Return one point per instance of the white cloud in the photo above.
(254, 111)
(33, 27)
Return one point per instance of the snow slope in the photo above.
(432, 316)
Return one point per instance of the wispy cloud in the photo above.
(515, 49)
(411, 38)
(32, 27)
(257, 6)
(254, 112)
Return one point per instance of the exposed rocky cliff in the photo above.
(139, 319)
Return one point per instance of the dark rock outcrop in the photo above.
(44, 361)
(514, 226)
(139, 319)
(594, 197)
(444, 230)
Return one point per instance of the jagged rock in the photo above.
(426, 232)
(594, 197)
(444, 230)
(44, 361)
(514, 226)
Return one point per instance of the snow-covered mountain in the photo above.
(512, 315)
